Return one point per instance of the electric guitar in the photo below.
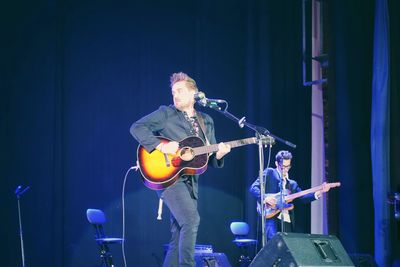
(160, 170)
(272, 210)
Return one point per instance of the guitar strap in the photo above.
(202, 126)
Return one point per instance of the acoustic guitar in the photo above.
(160, 170)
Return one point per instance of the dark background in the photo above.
(76, 74)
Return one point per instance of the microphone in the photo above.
(23, 191)
(202, 100)
(18, 189)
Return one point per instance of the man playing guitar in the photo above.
(273, 178)
(158, 133)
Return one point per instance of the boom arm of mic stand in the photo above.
(264, 131)
(226, 113)
(242, 122)
(260, 131)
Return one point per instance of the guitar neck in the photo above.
(308, 191)
(303, 193)
(214, 148)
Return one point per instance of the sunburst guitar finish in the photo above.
(160, 170)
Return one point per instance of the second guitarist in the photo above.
(273, 177)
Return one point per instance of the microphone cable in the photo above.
(123, 211)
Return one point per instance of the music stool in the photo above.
(241, 230)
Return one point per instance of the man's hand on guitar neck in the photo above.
(325, 188)
(223, 149)
(168, 148)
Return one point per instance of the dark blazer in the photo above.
(170, 123)
(272, 180)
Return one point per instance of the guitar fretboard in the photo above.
(214, 148)
(311, 190)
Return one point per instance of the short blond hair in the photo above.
(181, 76)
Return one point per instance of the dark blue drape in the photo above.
(394, 7)
(349, 104)
(76, 74)
(380, 132)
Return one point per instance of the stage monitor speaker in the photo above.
(293, 249)
(211, 260)
(363, 260)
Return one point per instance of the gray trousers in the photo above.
(272, 226)
(185, 222)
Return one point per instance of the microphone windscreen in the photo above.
(199, 96)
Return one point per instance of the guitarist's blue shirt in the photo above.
(169, 122)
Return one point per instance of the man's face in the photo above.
(284, 167)
(182, 95)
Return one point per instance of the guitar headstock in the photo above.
(333, 185)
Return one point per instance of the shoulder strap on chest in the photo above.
(202, 126)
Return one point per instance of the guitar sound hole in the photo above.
(186, 154)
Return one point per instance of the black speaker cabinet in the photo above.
(363, 260)
(293, 249)
(211, 260)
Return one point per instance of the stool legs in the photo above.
(106, 257)
(244, 260)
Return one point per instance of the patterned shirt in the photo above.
(194, 124)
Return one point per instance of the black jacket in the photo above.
(272, 180)
(170, 123)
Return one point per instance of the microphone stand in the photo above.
(262, 185)
(281, 204)
(265, 138)
(18, 193)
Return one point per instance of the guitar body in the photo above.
(160, 170)
(271, 211)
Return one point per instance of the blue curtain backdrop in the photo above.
(76, 74)
(349, 113)
(380, 132)
(394, 57)
(359, 124)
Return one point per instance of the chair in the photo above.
(241, 230)
(97, 218)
